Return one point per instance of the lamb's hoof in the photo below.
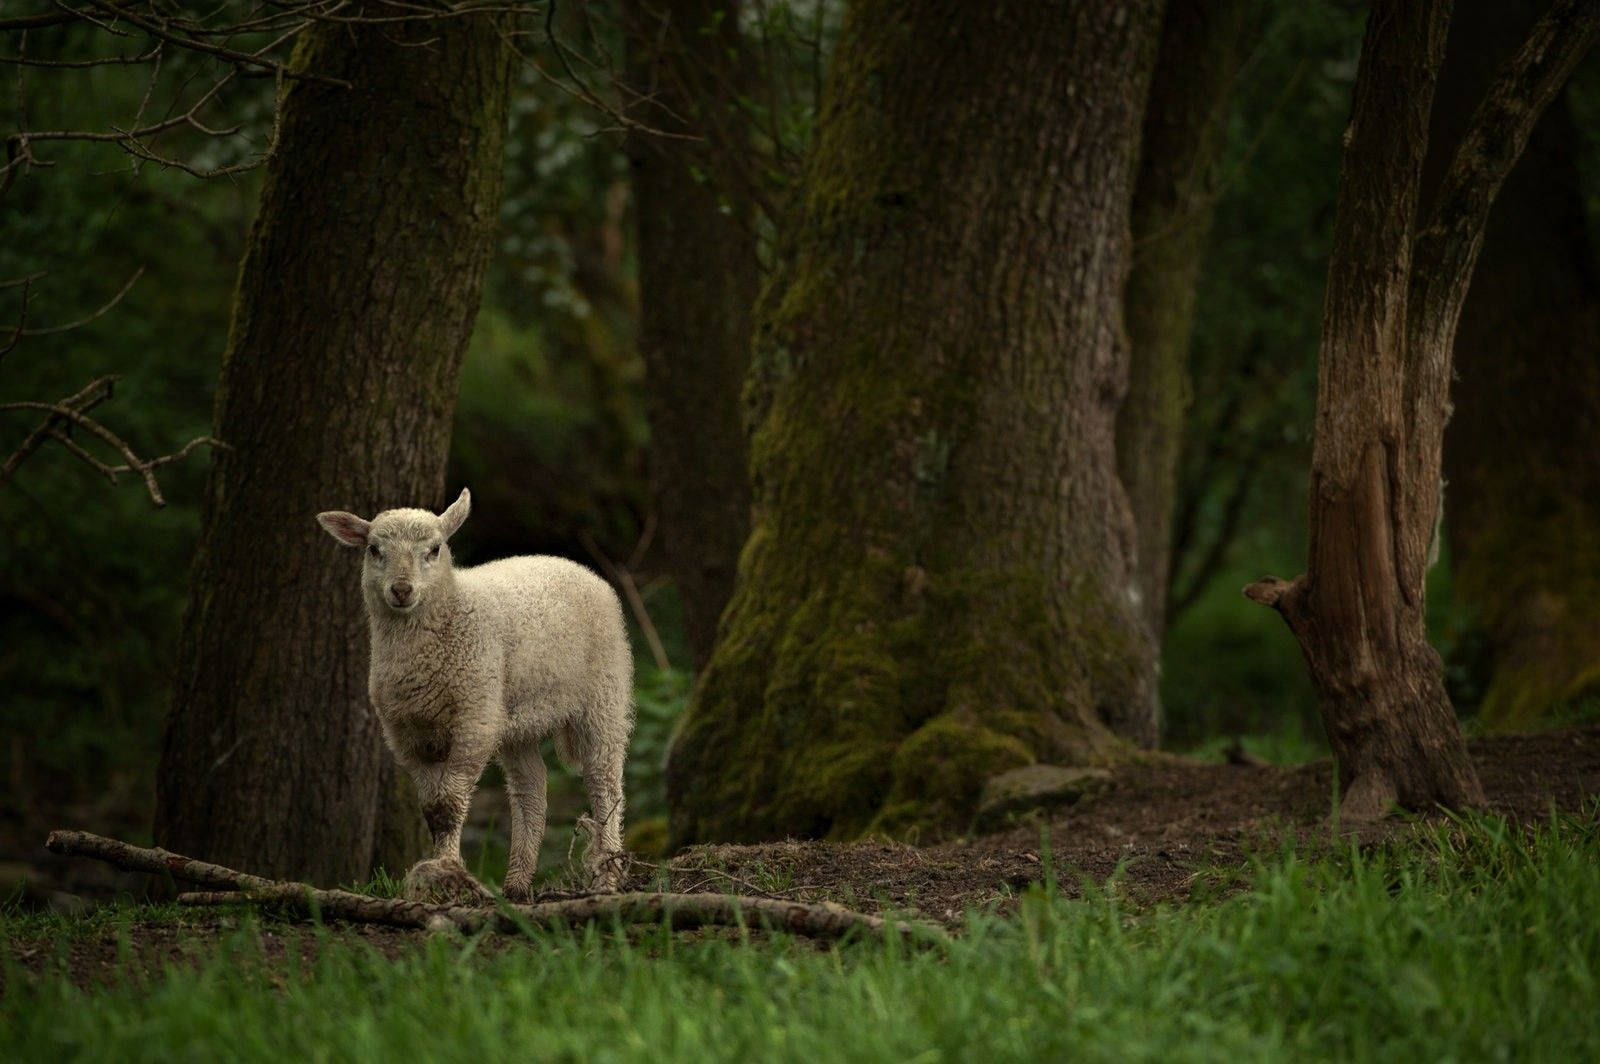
(607, 872)
(517, 894)
(442, 882)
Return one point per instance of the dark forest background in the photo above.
(551, 432)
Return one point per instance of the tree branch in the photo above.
(682, 911)
(1447, 249)
(71, 410)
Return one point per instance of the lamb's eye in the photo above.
(433, 553)
(373, 550)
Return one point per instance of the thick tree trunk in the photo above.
(1522, 510)
(356, 297)
(1185, 126)
(938, 583)
(1394, 298)
(698, 277)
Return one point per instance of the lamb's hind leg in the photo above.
(602, 779)
(526, 789)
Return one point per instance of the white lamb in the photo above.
(483, 662)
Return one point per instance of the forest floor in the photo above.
(1168, 829)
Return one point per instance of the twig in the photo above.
(729, 877)
(97, 391)
(50, 330)
(239, 59)
(72, 410)
(681, 911)
(624, 579)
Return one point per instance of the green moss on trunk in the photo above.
(937, 584)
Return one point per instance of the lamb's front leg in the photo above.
(446, 793)
(525, 787)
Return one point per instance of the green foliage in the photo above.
(658, 698)
(1475, 941)
(1229, 666)
(92, 576)
(1232, 668)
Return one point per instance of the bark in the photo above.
(937, 586)
(698, 276)
(1394, 298)
(356, 298)
(1523, 505)
(1185, 126)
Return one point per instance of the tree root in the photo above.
(681, 911)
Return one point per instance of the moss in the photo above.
(1536, 586)
(648, 837)
(882, 702)
(940, 770)
(870, 603)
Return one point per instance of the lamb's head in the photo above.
(406, 553)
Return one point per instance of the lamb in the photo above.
(481, 663)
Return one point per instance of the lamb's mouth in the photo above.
(398, 608)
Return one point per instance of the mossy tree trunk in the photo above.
(356, 297)
(937, 586)
(698, 277)
(1185, 126)
(1522, 453)
(1395, 292)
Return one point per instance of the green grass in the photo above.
(1472, 943)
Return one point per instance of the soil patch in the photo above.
(1161, 823)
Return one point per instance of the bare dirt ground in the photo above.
(1166, 824)
(1161, 822)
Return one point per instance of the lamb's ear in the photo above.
(456, 513)
(345, 527)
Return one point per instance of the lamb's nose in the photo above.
(401, 590)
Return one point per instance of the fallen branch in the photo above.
(681, 911)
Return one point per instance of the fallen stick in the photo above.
(681, 911)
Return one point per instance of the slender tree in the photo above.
(698, 276)
(937, 585)
(1522, 506)
(1185, 126)
(1395, 292)
(356, 297)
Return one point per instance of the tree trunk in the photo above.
(1394, 298)
(1523, 507)
(938, 582)
(1185, 127)
(356, 298)
(698, 277)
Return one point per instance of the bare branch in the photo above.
(50, 330)
(22, 316)
(72, 411)
(244, 59)
(1447, 249)
(79, 64)
(620, 576)
(96, 392)
(682, 911)
(36, 22)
